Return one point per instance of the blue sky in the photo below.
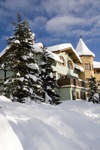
(54, 21)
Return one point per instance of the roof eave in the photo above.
(71, 53)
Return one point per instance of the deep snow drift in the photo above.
(72, 125)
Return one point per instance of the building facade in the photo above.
(69, 72)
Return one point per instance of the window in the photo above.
(70, 64)
(62, 58)
(73, 95)
(91, 67)
(83, 95)
(62, 76)
(77, 94)
(98, 83)
(87, 67)
(98, 72)
(54, 74)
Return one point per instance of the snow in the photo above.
(38, 45)
(4, 51)
(8, 138)
(96, 64)
(18, 74)
(51, 55)
(34, 66)
(82, 49)
(33, 77)
(72, 125)
(47, 98)
(54, 56)
(63, 46)
(59, 47)
(79, 67)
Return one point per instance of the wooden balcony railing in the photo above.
(71, 81)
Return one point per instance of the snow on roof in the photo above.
(79, 67)
(96, 64)
(54, 56)
(38, 44)
(4, 51)
(37, 50)
(59, 47)
(82, 49)
(51, 55)
(64, 46)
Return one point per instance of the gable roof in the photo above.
(4, 51)
(51, 55)
(83, 50)
(66, 47)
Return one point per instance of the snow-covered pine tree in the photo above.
(23, 83)
(93, 91)
(48, 81)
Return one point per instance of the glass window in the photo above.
(62, 76)
(70, 64)
(54, 74)
(77, 94)
(73, 95)
(62, 58)
(83, 95)
(91, 67)
(98, 83)
(87, 67)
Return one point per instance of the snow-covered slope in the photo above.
(72, 125)
(8, 138)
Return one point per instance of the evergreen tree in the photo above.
(20, 61)
(48, 81)
(93, 91)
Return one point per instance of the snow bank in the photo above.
(72, 125)
(8, 139)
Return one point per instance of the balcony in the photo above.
(71, 81)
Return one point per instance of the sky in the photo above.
(54, 21)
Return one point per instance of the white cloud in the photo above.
(38, 23)
(15, 4)
(74, 17)
(65, 7)
(28, 8)
(69, 25)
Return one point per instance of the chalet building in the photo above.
(76, 70)
(73, 68)
(69, 73)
